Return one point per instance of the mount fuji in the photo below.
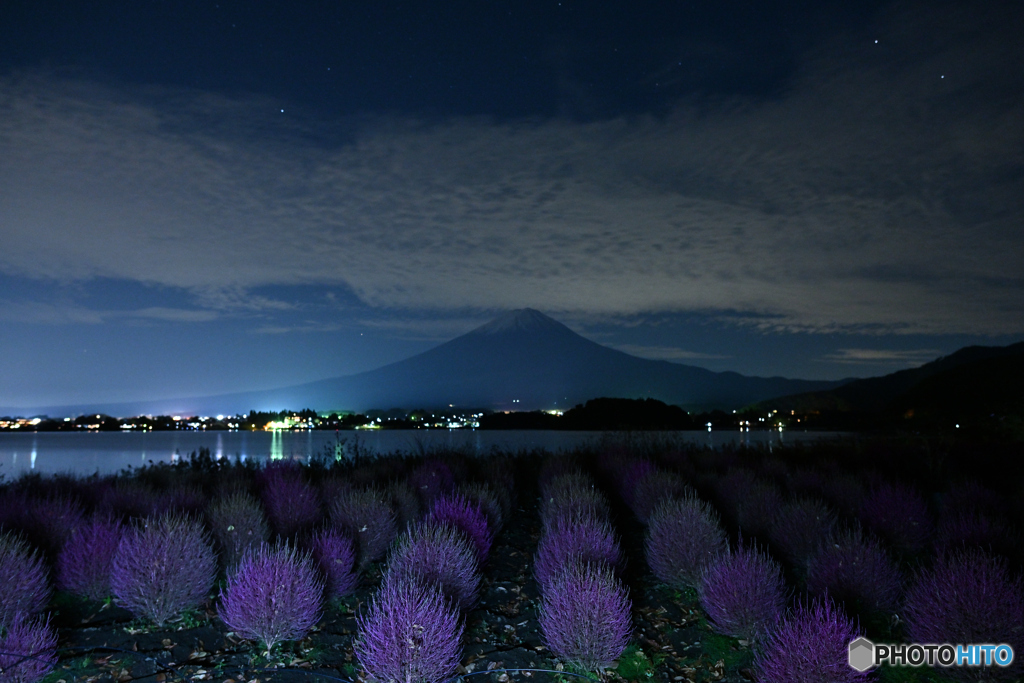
(522, 360)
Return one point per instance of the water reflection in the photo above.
(51, 452)
(276, 452)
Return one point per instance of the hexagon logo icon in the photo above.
(862, 654)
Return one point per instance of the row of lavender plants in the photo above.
(585, 608)
(285, 538)
(413, 628)
(858, 549)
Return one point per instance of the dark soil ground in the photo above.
(101, 643)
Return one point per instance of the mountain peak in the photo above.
(521, 319)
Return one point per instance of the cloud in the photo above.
(305, 327)
(665, 352)
(44, 313)
(170, 314)
(872, 195)
(910, 357)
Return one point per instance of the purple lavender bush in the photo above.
(51, 521)
(683, 535)
(335, 555)
(367, 515)
(972, 496)
(238, 525)
(431, 480)
(28, 650)
(498, 473)
(83, 566)
(182, 500)
(274, 594)
(858, 573)
(292, 505)
(810, 646)
(127, 499)
(629, 474)
(653, 488)
(799, 528)
(458, 512)
(163, 567)
(844, 491)
(574, 497)
(733, 486)
(743, 593)
(410, 634)
(567, 541)
(971, 528)
(24, 586)
(585, 616)
(483, 495)
(405, 503)
(967, 596)
(754, 511)
(899, 515)
(438, 555)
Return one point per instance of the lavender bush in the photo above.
(238, 525)
(743, 593)
(971, 528)
(810, 646)
(83, 566)
(275, 594)
(28, 650)
(51, 521)
(483, 495)
(292, 505)
(127, 499)
(844, 491)
(799, 528)
(163, 567)
(683, 535)
(857, 572)
(756, 507)
(405, 503)
(438, 555)
(572, 497)
(24, 588)
(367, 515)
(585, 616)
(655, 487)
(567, 541)
(410, 634)
(431, 480)
(898, 514)
(628, 475)
(466, 517)
(183, 500)
(968, 596)
(335, 554)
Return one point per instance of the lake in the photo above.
(110, 452)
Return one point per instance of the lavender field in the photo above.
(625, 559)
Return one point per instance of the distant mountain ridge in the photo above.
(522, 360)
(878, 393)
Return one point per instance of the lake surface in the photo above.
(111, 452)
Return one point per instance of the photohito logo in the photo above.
(864, 654)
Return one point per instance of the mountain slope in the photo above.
(525, 360)
(521, 360)
(878, 393)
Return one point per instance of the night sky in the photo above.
(199, 198)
